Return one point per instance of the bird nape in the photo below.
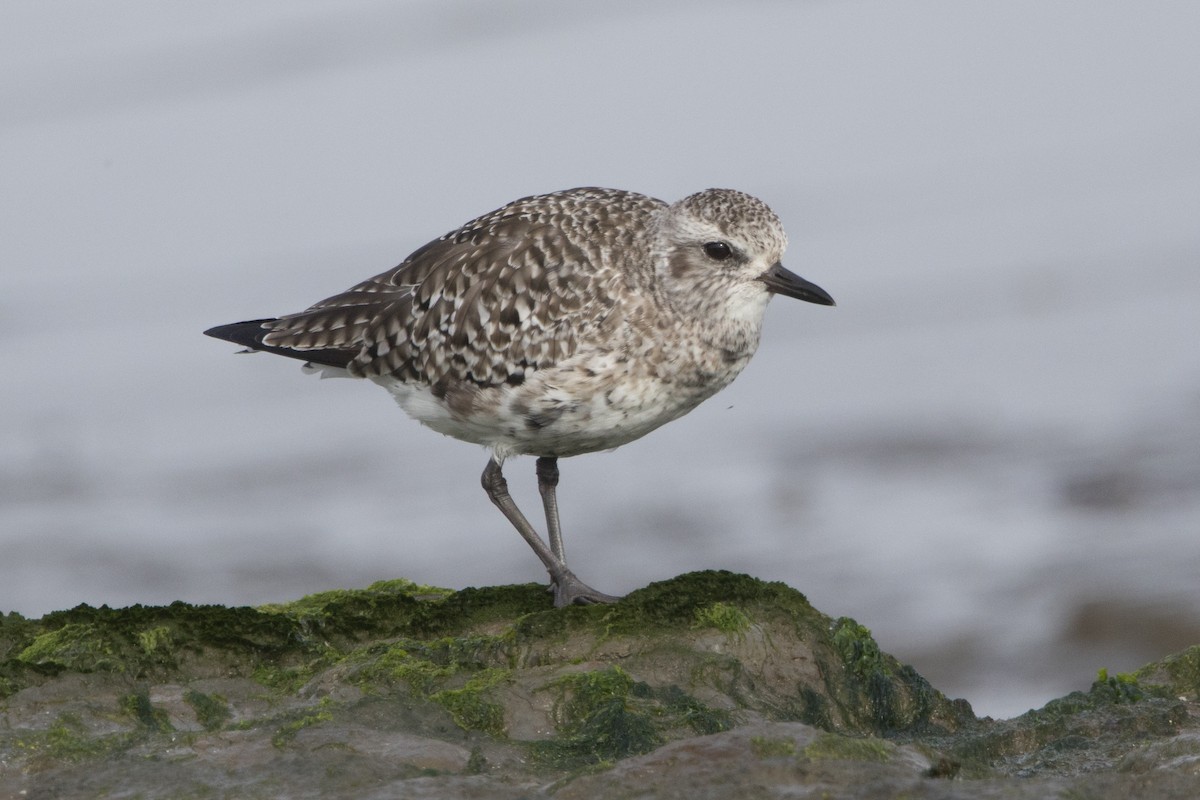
(556, 325)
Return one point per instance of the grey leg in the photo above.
(547, 475)
(566, 587)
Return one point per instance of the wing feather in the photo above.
(508, 293)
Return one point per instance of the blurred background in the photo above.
(988, 452)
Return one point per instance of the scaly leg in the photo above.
(566, 587)
(547, 475)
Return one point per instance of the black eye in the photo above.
(717, 251)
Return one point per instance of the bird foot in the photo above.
(569, 590)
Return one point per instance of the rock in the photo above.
(707, 685)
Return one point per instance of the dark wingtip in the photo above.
(251, 332)
(247, 334)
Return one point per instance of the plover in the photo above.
(557, 325)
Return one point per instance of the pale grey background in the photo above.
(989, 452)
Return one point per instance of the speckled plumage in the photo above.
(557, 325)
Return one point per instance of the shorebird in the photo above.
(556, 325)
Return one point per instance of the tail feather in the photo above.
(251, 333)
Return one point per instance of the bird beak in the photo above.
(789, 284)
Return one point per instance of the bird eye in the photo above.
(717, 251)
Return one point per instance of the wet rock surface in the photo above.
(708, 685)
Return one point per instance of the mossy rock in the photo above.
(1087, 730)
(494, 688)
(694, 654)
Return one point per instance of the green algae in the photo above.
(682, 711)
(771, 747)
(290, 678)
(320, 603)
(462, 654)
(323, 712)
(431, 640)
(605, 715)
(74, 646)
(469, 705)
(858, 688)
(397, 656)
(864, 689)
(383, 608)
(1106, 691)
(858, 649)
(477, 762)
(212, 710)
(423, 666)
(137, 705)
(283, 646)
(456, 673)
(14, 630)
(674, 603)
(155, 640)
(400, 662)
(881, 695)
(597, 721)
(849, 748)
(1119, 688)
(67, 740)
(725, 617)
(398, 608)
(143, 642)
(869, 673)
(1081, 729)
(1177, 675)
(668, 607)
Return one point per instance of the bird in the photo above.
(559, 324)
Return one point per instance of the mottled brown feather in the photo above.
(528, 280)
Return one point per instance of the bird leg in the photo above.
(547, 475)
(566, 587)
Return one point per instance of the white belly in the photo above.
(582, 406)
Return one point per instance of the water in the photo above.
(987, 453)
